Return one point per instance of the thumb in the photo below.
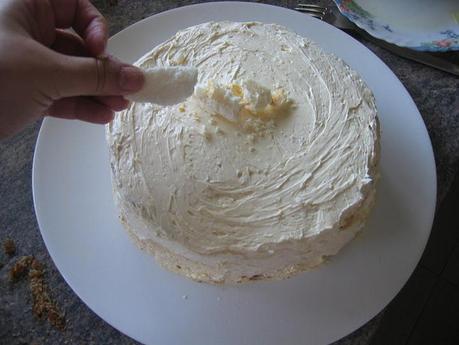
(84, 76)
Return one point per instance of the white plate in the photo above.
(78, 220)
(417, 24)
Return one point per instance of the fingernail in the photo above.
(131, 78)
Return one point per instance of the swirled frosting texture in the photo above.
(224, 201)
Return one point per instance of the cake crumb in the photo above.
(181, 108)
(207, 135)
(196, 117)
(43, 306)
(9, 247)
(20, 268)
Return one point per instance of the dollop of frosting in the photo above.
(266, 170)
(239, 101)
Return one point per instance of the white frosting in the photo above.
(259, 196)
(238, 100)
(166, 85)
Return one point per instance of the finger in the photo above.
(41, 22)
(85, 19)
(116, 103)
(81, 108)
(76, 76)
(69, 44)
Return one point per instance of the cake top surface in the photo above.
(277, 144)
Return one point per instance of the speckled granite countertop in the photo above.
(435, 93)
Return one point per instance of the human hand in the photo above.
(46, 70)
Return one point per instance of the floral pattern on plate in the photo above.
(444, 40)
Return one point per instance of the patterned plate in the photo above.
(424, 25)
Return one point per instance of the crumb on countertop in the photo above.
(43, 306)
(9, 247)
(20, 268)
